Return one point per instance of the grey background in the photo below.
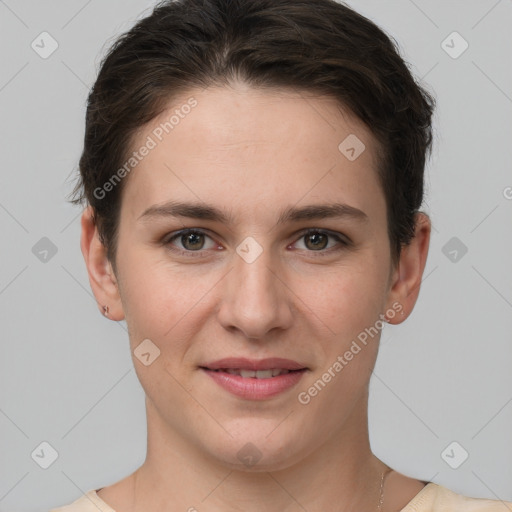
(66, 375)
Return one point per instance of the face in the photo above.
(263, 263)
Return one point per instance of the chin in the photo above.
(257, 448)
(251, 459)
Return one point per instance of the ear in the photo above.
(406, 280)
(101, 275)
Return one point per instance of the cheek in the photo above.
(162, 301)
(345, 300)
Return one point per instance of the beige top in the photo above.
(432, 498)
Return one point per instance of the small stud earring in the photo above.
(105, 310)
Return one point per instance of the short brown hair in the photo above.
(321, 46)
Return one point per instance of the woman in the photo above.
(253, 173)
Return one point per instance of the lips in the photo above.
(256, 374)
(255, 379)
(241, 363)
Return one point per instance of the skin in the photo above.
(253, 153)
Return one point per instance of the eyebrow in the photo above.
(290, 214)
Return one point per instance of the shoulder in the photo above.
(436, 498)
(88, 502)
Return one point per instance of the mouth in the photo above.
(255, 380)
(255, 374)
(240, 364)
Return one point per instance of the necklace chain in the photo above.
(381, 498)
(385, 473)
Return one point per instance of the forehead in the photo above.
(249, 147)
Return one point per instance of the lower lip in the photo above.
(251, 388)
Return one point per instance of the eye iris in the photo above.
(314, 238)
(195, 241)
(193, 238)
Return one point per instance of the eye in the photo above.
(191, 240)
(317, 240)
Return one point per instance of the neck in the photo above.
(177, 475)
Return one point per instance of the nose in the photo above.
(256, 298)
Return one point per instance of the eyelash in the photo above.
(200, 253)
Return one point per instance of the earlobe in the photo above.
(408, 275)
(101, 275)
